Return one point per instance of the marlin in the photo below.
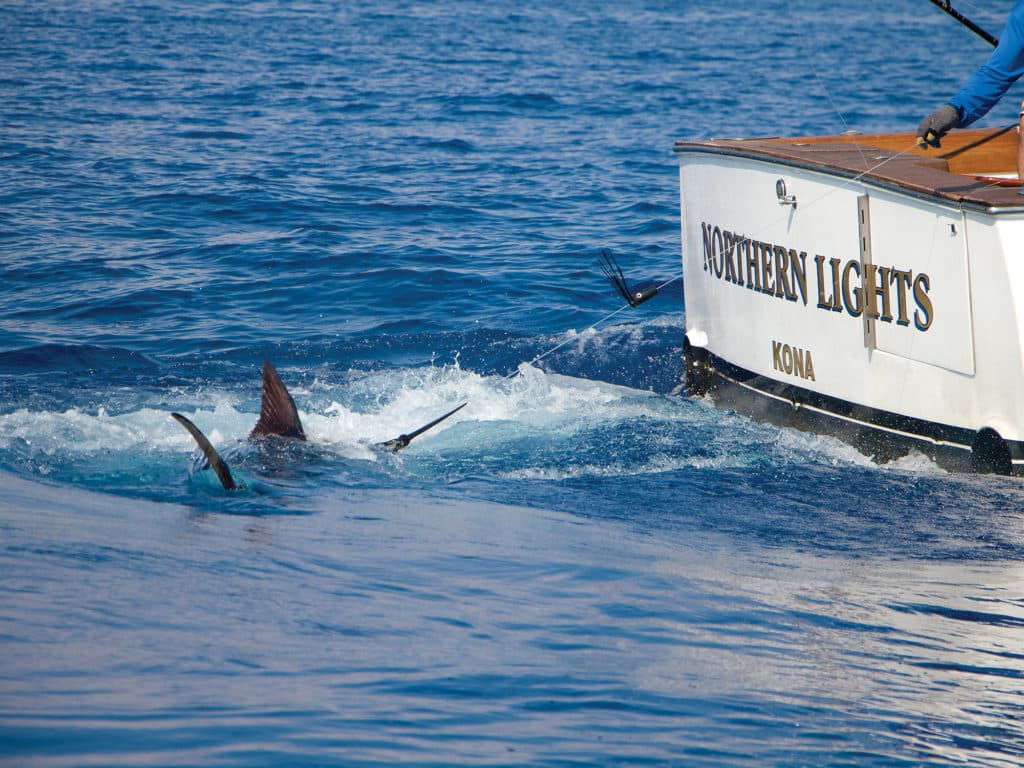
(280, 418)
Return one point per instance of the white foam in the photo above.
(915, 462)
(532, 398)
(794, 445)
(533, 414)
(82, 431)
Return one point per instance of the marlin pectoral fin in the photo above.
(278, 415)
(212, 457)
(400, 442)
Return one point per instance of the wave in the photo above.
(529, 424)
(48, 358)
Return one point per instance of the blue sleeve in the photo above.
(992, 79)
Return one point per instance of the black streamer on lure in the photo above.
(613, 272)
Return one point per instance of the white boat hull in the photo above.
(852, 305)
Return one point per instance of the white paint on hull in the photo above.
(947, 343)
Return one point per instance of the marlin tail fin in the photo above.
(212, 457)
(278, 415)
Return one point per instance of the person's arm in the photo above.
(984, 88)
(992, 79)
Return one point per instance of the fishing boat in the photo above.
(862, 286)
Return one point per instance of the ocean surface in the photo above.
(402, 205)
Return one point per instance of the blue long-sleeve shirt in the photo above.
(992, 79)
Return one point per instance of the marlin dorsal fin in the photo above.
(278, 415)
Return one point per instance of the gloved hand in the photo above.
(935, 126)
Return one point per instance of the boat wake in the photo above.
(530, 425)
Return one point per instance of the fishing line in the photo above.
(614, 274)
(828, 95)
(635, 297)
(847, 133)
(844, 185)
(593, 326)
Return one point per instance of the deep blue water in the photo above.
(402, 205)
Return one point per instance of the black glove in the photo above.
(935, 126)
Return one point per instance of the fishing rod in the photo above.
(947, 6)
